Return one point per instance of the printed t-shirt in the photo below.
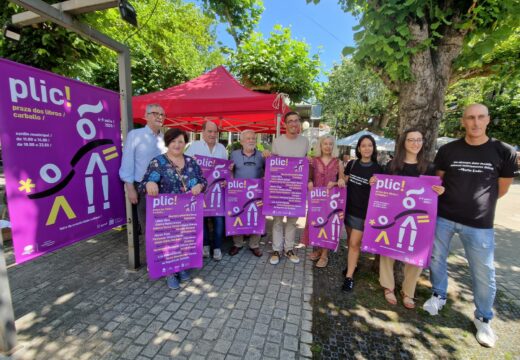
(471, 180)
(358, 188)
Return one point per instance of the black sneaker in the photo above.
(344, 272)
(348, 285)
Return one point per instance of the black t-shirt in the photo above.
(410, 170)
(358, 188)
(471, 180)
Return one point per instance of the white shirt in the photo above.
(200, 147)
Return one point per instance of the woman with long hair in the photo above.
(325, 171)
(409, 160)
(358, 173)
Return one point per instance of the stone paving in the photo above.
(82, 303)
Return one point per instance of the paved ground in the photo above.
(82, 303)
(363, 325)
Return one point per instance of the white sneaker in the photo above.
(205, 252)
(434, 304)
(217, 254)
(485, 335)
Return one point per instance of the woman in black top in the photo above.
(409, 161)
(358, 173)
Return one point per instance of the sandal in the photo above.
(315, 255)
(322, 262)
(390, 297)
(407, 301)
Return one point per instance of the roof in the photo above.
(215, 96)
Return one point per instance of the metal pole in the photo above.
(125, 91)
(7, 324)
(278, 123)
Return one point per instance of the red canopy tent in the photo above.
(215, 96)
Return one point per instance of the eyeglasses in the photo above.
(156, 114)
(416, 141)
(292, 121)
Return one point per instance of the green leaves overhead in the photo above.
(278, 63)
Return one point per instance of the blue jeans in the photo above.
(218, 231)
(479, 246)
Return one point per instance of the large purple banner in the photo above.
(244, 207)
(216, 172)
(401, 216)
(173, 233)
(285, 186)
(61, 147)
(325, 216)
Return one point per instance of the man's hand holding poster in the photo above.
(400, 221)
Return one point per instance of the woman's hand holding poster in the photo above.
(401, 217)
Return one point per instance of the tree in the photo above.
(278, 64)
(242, 16)
(418, 46)
(355, 98)
(47, 46)
(173, 43)
(502, 99)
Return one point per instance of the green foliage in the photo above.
(502, 99)
(387, 41)
(242, 16)
(173, 43)
(278, 64)
(46, 46)
(356, 98)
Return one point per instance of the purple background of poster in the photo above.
(208, 164)
(389, 202)
(186, 225)
(320, 206)
(281, 173)
(51, 136)
(237, 197)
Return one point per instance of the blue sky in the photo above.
(325, 27)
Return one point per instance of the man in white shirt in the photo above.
(294, 145)
(209, 146)
(141, 146)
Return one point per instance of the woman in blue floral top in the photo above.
(174, 173)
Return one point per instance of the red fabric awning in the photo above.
(215, 96)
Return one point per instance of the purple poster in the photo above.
(325, 216)
(401, 216)
(244, 207)
(216, 172)
(61, 146)
(173, 233)
(285, 186)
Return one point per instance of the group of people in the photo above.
(475, 170)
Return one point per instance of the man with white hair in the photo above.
(476, 171)
(141, 146)
(248, 164)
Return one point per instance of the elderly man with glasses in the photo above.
(141, 146)
(248, 164)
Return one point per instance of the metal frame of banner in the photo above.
(50, 13)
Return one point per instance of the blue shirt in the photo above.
(141, 146)
(247, 167)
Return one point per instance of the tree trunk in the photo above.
(421, 101)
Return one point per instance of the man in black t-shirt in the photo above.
(476, 171)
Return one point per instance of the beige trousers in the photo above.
(254, 241)
(290, 233)
(386, 276)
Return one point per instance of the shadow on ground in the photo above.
(362, 325)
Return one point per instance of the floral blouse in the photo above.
(171, 179)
